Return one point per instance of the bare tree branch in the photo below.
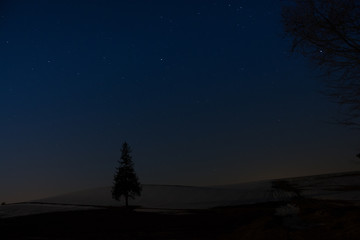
(328, 33)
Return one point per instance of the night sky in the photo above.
(205, 92)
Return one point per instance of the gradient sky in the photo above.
(205, 92)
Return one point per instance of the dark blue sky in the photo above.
(205, 92)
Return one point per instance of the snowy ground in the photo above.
(22, 209)
(173, 197)
(341, 186)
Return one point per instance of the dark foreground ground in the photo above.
(317, 220)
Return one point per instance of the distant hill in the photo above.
(337, 186)
(169, 196)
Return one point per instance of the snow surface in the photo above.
(171, 197)
(340, 186)
(23, 209)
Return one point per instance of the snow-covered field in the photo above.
(173, 197)
(22, 209)
(340, 186)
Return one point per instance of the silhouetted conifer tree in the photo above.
(126, 182)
